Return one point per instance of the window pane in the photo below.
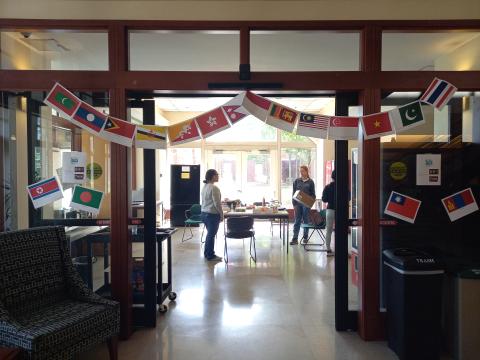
(304, 50)
(292, 159)
(247, 130)
(56, 50)
(184, 50)
(457, 51)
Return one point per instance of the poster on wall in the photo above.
(74, 167)
(429, 169)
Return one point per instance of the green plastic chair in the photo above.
(307, 245)
(193, 216)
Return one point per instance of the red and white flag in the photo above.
(282, 117)
(256, 105)
(402, 207)
(234, 109)
(438, 93)
(377, 125)
(313, 125)
(343, 128)
(212, 122)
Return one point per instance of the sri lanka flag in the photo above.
(438, 93)
(89, 118)
(460, 204)
(62, 100)
(402, 207)
(282, 117)
(45, 192)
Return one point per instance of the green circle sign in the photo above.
(398, 170)
(94, 171)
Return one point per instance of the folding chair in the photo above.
(240, 228)
(316, 228)
(193, 216)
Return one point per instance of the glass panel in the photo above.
(249, 129)
(453, 134)
(291, 160)
(456, 51)
(169, 50)
(304, 51)
(55, 50)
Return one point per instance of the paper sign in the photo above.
(429, 169)
(74, 167)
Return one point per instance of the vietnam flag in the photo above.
(212, 122)
(256, 105)
(377, 125)
(343, 128)
(119, 131)
(183, 132)
(62, 100)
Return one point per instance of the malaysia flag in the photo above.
(89, 118)
(460, 204)
(313, 125)
(212, 122)
(438, 93)
(343, 128)
(402, 207)
(44, 192)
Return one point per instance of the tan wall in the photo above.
(464, 58)
(241, 10)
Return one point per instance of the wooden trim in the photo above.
(245, 45)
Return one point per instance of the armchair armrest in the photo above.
(11, 332)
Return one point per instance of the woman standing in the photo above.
(328, 196)
(305, 184)
(212, 213)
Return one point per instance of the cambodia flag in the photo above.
(402, 207)
(460, 204)
(89, 118)
(438, 93)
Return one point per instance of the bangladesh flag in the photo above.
(86, 199)
(407, 116)
(62, 100)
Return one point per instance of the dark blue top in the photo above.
(308, 187)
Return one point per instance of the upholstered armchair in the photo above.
(45, 308)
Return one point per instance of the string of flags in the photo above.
(402, 118)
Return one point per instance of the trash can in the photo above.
(413, 285)
(82, 265)
(462, 314)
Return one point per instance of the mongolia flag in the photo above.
(282, 117)
(183, 132)
(343, 128)
(212, 122)
(438, 93)
(151, 137)
(256, 105)
(119, 131)
(234, 109)
(377, 125)
(407, 116)
(89, 118)
(460, 204)
(402, 207)
(86, 199)
(45, 192)
(313, 125)
(62, 100)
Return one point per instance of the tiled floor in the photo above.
(282, 307)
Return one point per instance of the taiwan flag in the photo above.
(86, 199)
(119, 131)
(343, 128)
(212, 122)
(377, 125)
(89, 118)
(256, 105)
(62, 100)
(402, 207)
(460, 204)
(45, 192)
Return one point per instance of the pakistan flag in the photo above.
(407, 116)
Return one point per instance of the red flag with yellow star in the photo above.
(377, 125)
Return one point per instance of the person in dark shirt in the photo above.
(305, 184)
(328, 196)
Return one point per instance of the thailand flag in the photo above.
(45, 192)
(402, 207)
(438, 93)
(460, 204)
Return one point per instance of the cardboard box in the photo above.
(304, 199)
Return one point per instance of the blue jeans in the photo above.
(211, 221)
(301, 213)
